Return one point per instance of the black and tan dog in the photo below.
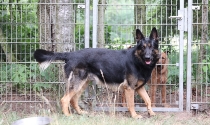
(129, 69)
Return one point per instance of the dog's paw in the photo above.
(82, 112)
(151, 113)
(137, 117)
(66, 113)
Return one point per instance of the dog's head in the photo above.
(163, 58)
(147, 48)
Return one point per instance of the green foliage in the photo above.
(116, 42)
(198, 18)
(173, 70)
(173, 74)
(51, 74)
(206, 69)
(40, 87)
(21, 33)
(80, 36)
(115, 15)
(14, 72)
(205, 76)
(20, 29)
(160, 14)
(21, 75)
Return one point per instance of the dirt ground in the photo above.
(31, 104)
(120, 118)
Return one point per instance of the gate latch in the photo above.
(182, 19)
(195, 7)
(194, 106)
(176, 17)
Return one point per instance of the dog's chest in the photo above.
(158, 73)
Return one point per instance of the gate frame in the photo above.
(181, 22)
(189, 63)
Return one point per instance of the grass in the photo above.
(99, 118)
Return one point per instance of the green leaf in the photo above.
(205, 68)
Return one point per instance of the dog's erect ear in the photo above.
(139, 35)
(154, 34)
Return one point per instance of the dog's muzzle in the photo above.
(147, 60)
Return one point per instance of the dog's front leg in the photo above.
(143, 93)
(129, 95)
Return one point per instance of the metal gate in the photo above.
(198, 61)
(21, 82)
(162, 15)
(26, 26)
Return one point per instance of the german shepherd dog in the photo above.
(130, 69)
(159, 79)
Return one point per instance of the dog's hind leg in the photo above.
(65, 101)
(70, 92)
(123, 99)
(143, 93)
(129, 95)
(75, 99)
(163, 96)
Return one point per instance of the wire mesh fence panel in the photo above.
(24, 27)
(200, 60)
(60, 27)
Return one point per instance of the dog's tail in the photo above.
(44, 58)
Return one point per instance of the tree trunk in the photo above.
(4, 45)
(6, 48)
(139, 16)
(64, 33)
(101, 15)
(46, 18)
(204, 41)
(56, 25)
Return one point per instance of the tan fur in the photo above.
(128, 96)
(129, 99)
(72, 95)
(143, 93)
(159, 76)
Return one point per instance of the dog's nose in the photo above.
(147, 56)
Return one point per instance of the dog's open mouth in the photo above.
(147, 61)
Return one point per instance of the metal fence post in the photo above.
(189, 65)
(95, 22)
(181, 56)
(87, 35)
(87, 23)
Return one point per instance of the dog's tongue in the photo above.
(148, 62)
